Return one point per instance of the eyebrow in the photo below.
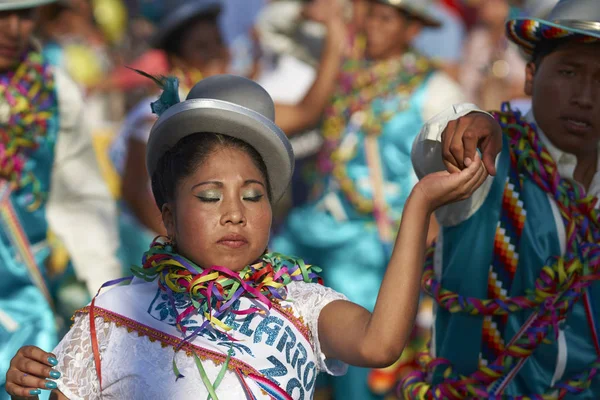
(220, 184)
(571, 63)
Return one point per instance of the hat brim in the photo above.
(22, 4)
(528, 32)
(426, 18)
(216, 116)
(179, 17)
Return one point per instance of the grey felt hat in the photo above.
(233, 106)
(21, 4)
(420, 9)
(179, 12)
(578, 19)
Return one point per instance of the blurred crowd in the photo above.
(273, 42)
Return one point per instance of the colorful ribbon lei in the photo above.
(560, 285)
(27, 104)
(213, 291)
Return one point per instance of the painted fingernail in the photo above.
(35, 392)
(52, 360)
(51, 385)
(54, 374)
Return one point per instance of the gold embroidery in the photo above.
(298, 322)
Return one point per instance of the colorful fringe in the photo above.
(27, 104)
(560, 285)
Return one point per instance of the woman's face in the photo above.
(221, 215)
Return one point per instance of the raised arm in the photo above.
(296, 118)
(348, 332)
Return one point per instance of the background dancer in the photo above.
(49, 179)
(364, 175)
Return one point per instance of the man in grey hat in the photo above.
(49, 181)
(526, 321)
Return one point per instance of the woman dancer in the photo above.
(211, 313)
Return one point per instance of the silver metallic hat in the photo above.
(232, 106)
(21, 4)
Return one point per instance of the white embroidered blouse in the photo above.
(134, 367)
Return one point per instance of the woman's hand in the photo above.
(30, 371)
(441, 188)
(331, 14)
(323, 11)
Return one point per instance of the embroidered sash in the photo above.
(272, 351)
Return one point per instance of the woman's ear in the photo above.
(168, 218)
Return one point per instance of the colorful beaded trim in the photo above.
(527, 32)
(505, 262)
(561, 284)
(27, 104)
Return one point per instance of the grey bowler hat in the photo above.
(21, 4)
(180, 12)
(233, 106)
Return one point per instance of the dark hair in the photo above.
(546, 47)
(189, 153)
(172, 43)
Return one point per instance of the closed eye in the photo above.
(254, 199)
(208, 199)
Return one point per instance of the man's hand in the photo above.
(462, 138)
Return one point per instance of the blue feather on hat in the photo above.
(170, 95)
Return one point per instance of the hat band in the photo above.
(583, 25)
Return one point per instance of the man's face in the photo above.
(566, 94)
(388, 31)
(16, 28)
(202, 47)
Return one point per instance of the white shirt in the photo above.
(133, 367)
(80, 209)
(427, 158)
